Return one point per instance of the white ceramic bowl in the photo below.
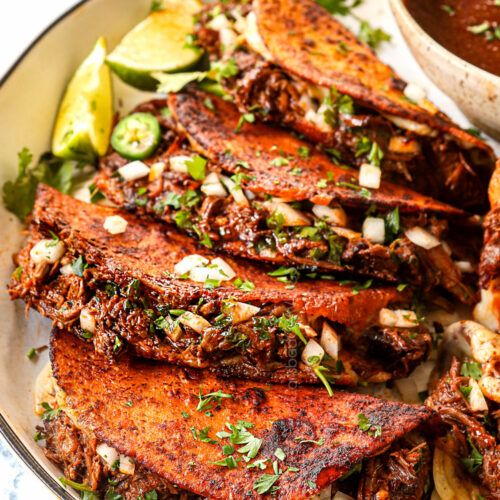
(29, 98)
(475, 91)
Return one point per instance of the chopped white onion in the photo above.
(156, 170)
(212, 186)
(87, 321)
(228, 39)
(240, 311)
(115, 224)
(188, 263)
(219, 22)
(415, 93)
(408, 390)
(318, 118)
(485, 311)
(225, 271)
(400, 318)
(218, 270)
(370, 176)
(134, 170)
(107, 453)
(236, 191)
(422, 374)
(412, 126)
(464, 266)
(335, 216)
(127, 465)
(49, 251)
(476, 399)
(178, 163)
(291, 216)
(422, 238)
(374, 229)
(313, 353)
(67, 270)
(253, 38)
(330, 341)
(174, 331)
(194, 321)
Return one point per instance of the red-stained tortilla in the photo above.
(149, 251)
(260, 147)
(137, 407)
(306, 41)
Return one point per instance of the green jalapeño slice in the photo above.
(136, 136)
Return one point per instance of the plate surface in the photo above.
(29, 104)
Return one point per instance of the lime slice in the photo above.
(157, 44)
(83, 123)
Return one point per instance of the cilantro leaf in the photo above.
(373, 37)
(197, 167)
(265, 483)
(19, 195)
(471, 369)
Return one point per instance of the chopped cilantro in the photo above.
(228, 462)
(471, 369)
(465, 390)
(365, 425)
(245, 285)
(206, 402)
(49, 412)
(19, 195)
(475, 459)
(245, 118)
(196, 167)
(265, 483)
(31, 353)
(373, 37)
(79, 265)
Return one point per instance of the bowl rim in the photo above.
(400, 7)
(8, 433)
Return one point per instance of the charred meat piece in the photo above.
(280, 203)
(311, 74)
(133, 290)
(182, 416)
(470, 434)
(402, 473)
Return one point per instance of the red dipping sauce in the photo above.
(468, 28)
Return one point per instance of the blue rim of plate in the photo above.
(5, 429)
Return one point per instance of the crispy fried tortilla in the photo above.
(123, 291)
(313, 221)
(149, 413)
(294, 65)
(304, 39)
(260, 148)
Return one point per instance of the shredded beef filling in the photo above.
(256, 232)
(266, 346)
(403, 473)
(75, 452)
(436, 166)
(471, 437)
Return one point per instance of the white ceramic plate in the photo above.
(29, 96)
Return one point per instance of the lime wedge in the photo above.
(83, 123)
(157, 44)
